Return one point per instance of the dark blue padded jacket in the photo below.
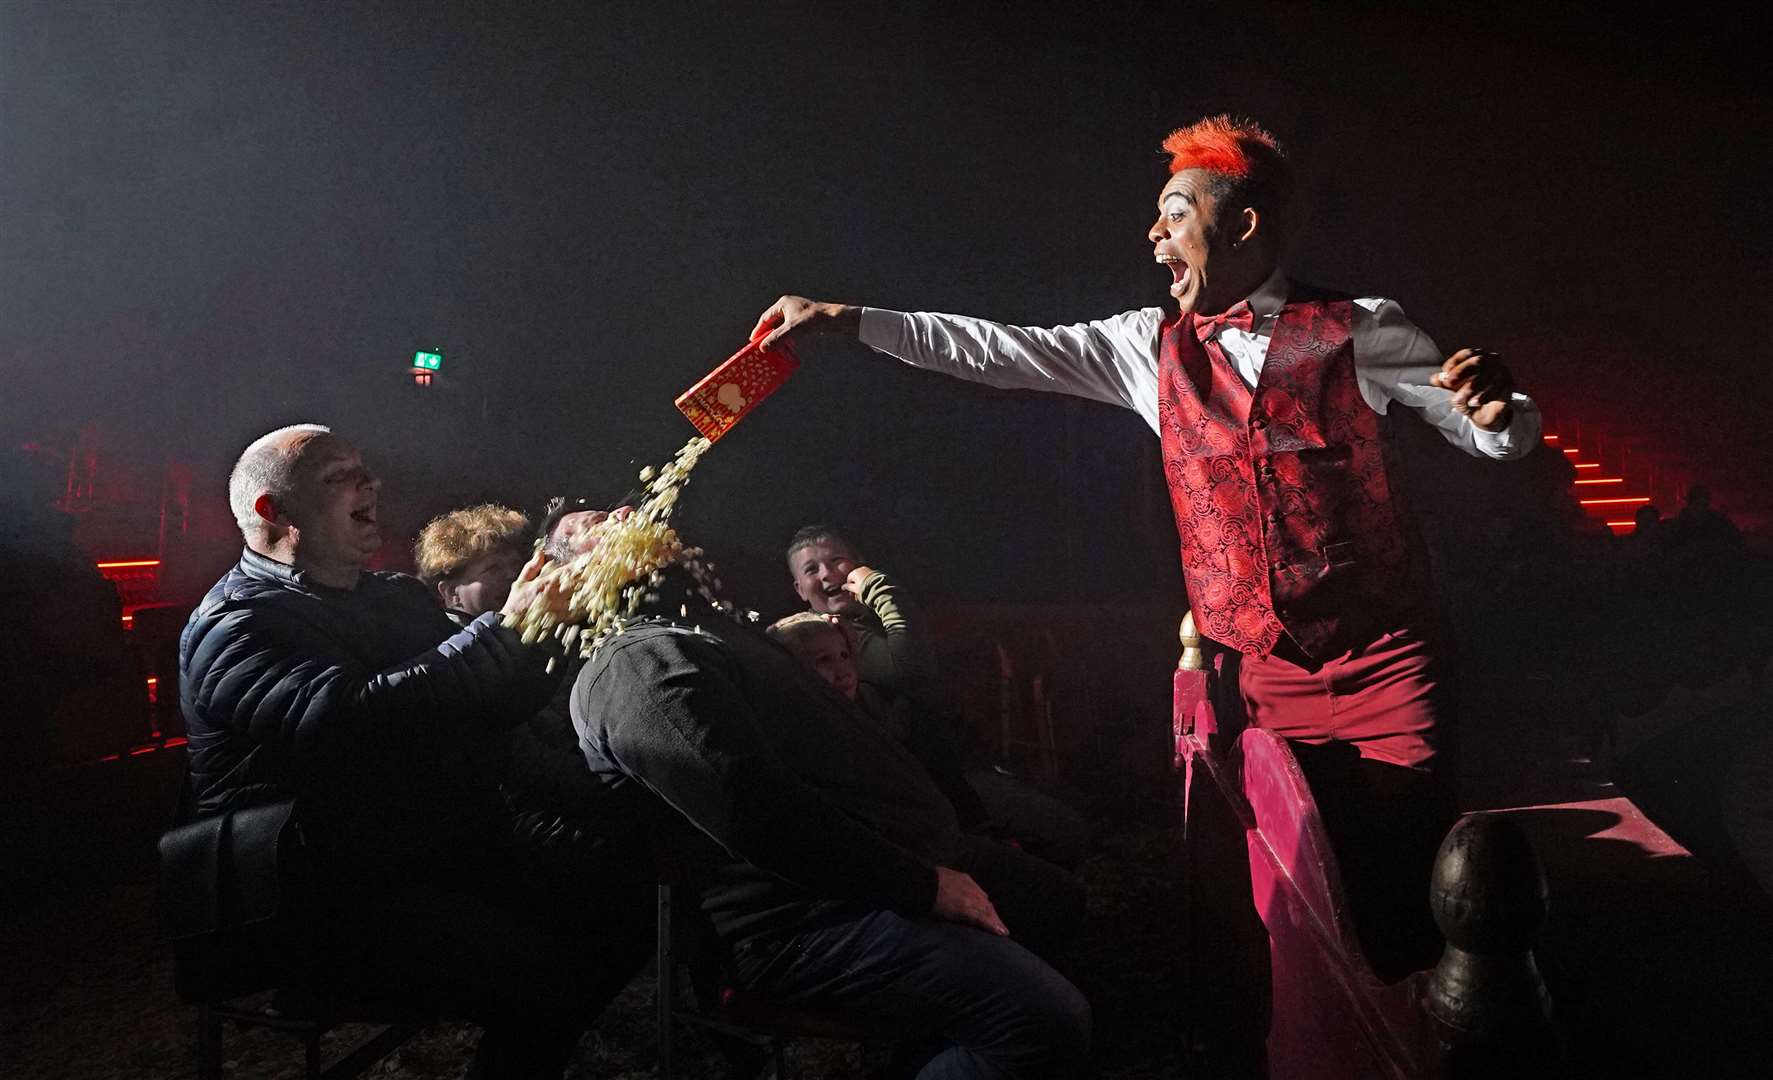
(363, 703)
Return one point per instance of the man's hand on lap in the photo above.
(960, 899)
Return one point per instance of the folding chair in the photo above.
(748, 1018)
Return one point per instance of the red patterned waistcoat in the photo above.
(1289, 521)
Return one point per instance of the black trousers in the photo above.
(1386, 823)
(493, 949)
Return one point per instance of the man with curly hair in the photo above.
(471, 556)
(563, 833)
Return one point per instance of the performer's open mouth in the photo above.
(1179, 274)
(365, 515)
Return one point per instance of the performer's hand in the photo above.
(1481, 387)
(794, 315)
(532, 589)
(959, 899)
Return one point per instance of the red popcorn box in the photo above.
(729, 392)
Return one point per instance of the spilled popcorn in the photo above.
(608, 584)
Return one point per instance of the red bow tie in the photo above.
(1238, 315)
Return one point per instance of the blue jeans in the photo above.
(991, 1008)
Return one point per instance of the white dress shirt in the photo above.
(1115, 360)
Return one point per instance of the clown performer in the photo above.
(1268, 398)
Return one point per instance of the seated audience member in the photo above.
(568, 525)
(837, 872)
(307, 677)
(893, 650)
(1703, 528)
(471, 557)
(559, 820)
(568, 530)
(825, 646)
(895, 658)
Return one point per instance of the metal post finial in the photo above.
(1192, 657)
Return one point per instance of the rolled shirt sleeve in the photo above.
(910, 655)
(1394, 360)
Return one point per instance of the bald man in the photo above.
(307, 676)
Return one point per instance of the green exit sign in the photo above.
(429, 361)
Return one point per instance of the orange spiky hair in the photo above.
(1245, 165)
(1233, 146)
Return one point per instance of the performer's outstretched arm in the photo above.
(1112, 360)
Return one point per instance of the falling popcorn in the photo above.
(609, 583)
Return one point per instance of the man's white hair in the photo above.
(265, 466)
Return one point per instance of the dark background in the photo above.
(218, 218)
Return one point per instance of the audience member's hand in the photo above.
(852, 584)
(531, 589)
(795, 315)
(959, 899)
(1481, 387)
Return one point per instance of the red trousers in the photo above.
(1384, 699)
(1367, 729)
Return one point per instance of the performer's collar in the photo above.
(1265, 303)
(1269, 297)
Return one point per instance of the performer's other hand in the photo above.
(959, 899)
(794, 315)
(1481, 386)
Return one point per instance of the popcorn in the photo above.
(608, 584)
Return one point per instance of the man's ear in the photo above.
(445, 592)
(1248, 224)
(266, 508)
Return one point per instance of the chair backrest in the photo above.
(970, 689)
(221, 884)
